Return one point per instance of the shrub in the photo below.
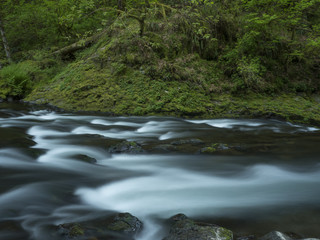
(16, 79)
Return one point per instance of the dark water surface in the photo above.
(56, 168)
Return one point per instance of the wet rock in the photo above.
(164, 148)
(15, 138)
(250, 237)
(190, 146)
(275, 235)
(127, 147)
(126, 223)
(71, 230)
(122, 226)
(85, 158)
(12, 230)
(184, 228)
(193, 141)
(215, 147)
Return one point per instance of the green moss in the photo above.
(119, 226)
(126, 74)
(208, 150)
(76, 230)
(224, 234)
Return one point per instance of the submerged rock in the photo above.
(183, 228)
(192, 141)
(250, 237)
(10, 229)
(127, 147)
(164, 148)
(275, 235)
(121, 226)
(85, 158)
(215, 147)
(182, 146)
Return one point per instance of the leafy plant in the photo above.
(16, 79)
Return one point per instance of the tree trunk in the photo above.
(5, 42)
(141, 23)
(147, 3)
(82, 44)
(121, 5)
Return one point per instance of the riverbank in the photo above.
(162, 73)
(288, 107)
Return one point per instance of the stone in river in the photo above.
(183, 228)
(127, 147)
(122, 226)
(275, 235)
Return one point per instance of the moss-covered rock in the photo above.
(215, 147)
(130, 147)
(126, 223)
(122, 226)
(184, 228)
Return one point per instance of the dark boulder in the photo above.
(192, 141)
(85, 158)
(184, 228)
(127, 147)
(12, 230)
(126, 223)
(164, 148)
(122, 226)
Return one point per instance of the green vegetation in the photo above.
(199, 58)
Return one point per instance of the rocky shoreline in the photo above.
(124, 226)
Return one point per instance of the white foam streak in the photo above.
(111, 123)
(19, 197)
(228, 123)
(41, 135)
(69, 151)
(173, 190)
(249, 125)
(115, 133)
(49, 116)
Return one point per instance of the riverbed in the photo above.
(249, 175)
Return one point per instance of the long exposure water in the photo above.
(56, 167)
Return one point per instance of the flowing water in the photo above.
(56, 168)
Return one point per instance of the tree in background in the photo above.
(4, 41)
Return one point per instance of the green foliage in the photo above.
(202, 46)
(251, 74)
(41, 24)
(16, 79)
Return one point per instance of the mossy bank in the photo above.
(162, 73)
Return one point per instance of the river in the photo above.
(56, 167)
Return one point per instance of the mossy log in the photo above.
(82, 44)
